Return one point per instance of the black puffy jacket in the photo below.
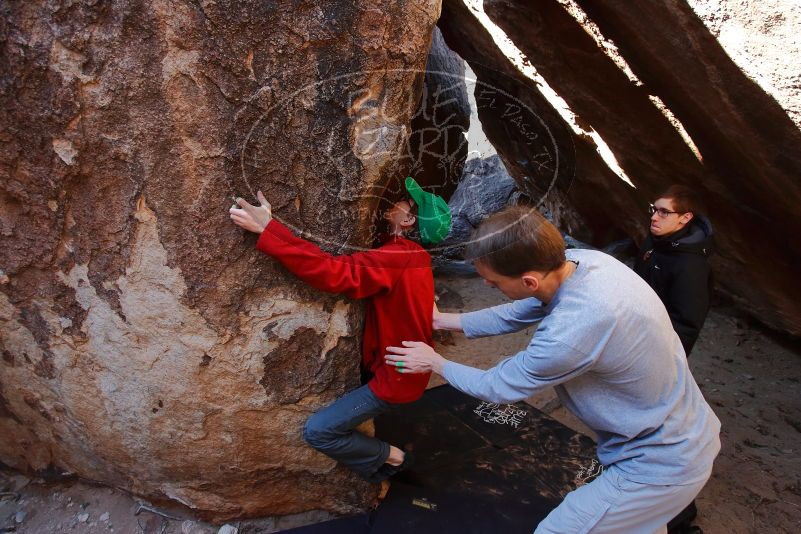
(677, 269)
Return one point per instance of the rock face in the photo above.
(145, 343)
(437, 143)
(486, 188)
(748, 149)
(763, 40)
(559, 169)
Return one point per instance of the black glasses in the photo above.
(663, 213)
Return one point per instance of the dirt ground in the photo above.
(751, 377)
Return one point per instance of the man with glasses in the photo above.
(673, 260)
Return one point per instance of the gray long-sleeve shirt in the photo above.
(606, 342)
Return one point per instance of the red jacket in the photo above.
(395, 279)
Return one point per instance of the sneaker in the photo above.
(388, 470)
(408, 461)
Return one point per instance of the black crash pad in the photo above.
(478, 468)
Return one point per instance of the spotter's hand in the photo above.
(252, 218)
(414, 357)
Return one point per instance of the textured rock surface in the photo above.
(145, 344)
(763, 40)
(438, 142)
(749, 150)
(486, 188)
(558, 169)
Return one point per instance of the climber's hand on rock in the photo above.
(252, 218)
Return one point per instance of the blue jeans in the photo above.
(331, 431)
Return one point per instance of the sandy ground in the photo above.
(752, 379)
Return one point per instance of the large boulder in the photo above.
(437, 144)
(763, 40)
(485, 188)
(672, 107)
(749, 146)
(555, 164)
(145, 343)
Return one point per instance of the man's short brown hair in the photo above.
(684, 199)
(517, 240)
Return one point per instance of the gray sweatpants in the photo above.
(613, 504)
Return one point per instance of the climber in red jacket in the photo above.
(397, 282)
